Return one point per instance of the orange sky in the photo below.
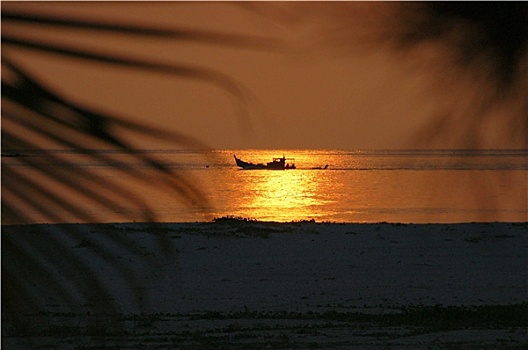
(325, 88)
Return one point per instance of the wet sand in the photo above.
(241, 284)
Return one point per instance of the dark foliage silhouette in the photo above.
(36, 117)
(483, 44)
(471, 58)
(489, 42)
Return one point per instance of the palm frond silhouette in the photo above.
(36, 117)
(470, 58)
(487, 45)
(486, 50)
(35, 107)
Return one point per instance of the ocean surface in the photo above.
(418, 186)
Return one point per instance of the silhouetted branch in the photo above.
(179, 34)
(37, 117)
(239, 94)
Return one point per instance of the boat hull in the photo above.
(276, 164)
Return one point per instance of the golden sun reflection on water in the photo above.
(414, 187)
(309, 192)
(378, 187)
(285, 195)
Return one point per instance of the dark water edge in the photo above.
(432, 327)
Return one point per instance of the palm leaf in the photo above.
(36, 116)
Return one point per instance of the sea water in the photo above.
(419, 186)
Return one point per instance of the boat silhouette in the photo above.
(276, 164)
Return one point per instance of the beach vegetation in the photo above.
(230, 219)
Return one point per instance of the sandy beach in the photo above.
(243, 284)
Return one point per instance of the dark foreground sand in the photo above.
(235, 284)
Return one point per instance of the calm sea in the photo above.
(418, 186)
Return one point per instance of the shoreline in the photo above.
(229, 219)
(247, 278)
